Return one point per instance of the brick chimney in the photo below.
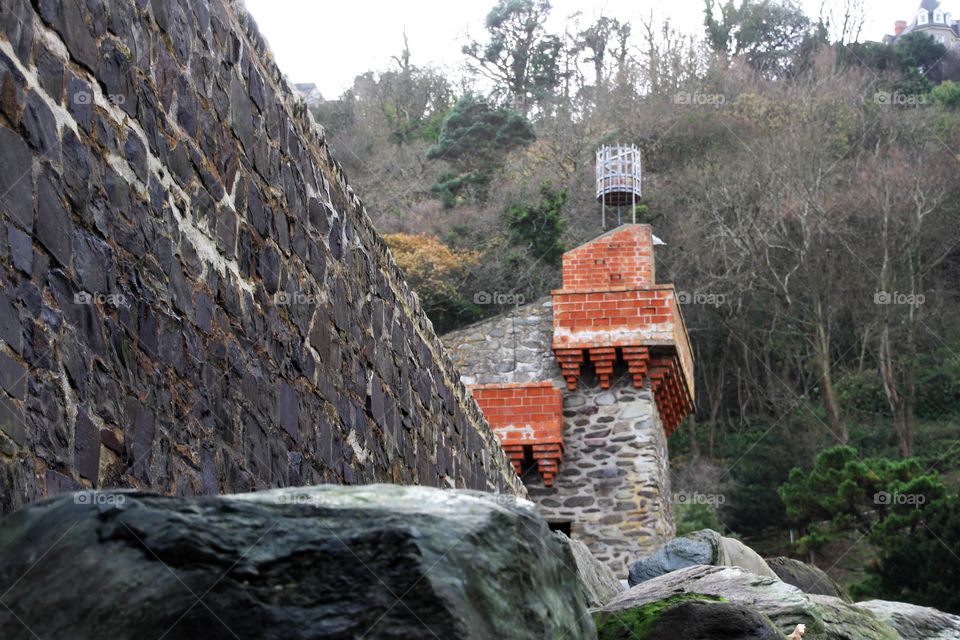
(621, 258)
(611, 309)
(899, 26)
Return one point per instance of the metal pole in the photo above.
(636, 160)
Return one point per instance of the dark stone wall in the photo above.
(192, 299)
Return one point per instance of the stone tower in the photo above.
(583, 390)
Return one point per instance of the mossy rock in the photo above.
(692, 616)
(826, 617)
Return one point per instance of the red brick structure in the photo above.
(528, 419)
(610, 309)
(586, 386)
(622, 257)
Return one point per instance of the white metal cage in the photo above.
(618, 175)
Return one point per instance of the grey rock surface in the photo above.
(689, 617)
(914, 622)
(806, 577)
(598, 579)
(826, 618)
(687, 551)
(700, 547)
(376, 561)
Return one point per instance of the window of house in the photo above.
(938, 16)
(922, 17)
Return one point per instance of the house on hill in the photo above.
(932, 19)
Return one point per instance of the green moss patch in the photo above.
(635, 623)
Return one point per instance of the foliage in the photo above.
(862, 392)
(539, 227)
(947, 95)
(754, 505)
(938, 383)
(336, 116)
(843, 493)
(786, 190)
(918, 560)
(769, 34)
(435, 272)
(474, 139)
(519, 55)
(694, 516)
(918, 52)
(914, 60)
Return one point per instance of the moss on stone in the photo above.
(636, 622)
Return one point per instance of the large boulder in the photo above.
(786, 606)
(806, 577)
(700, 547)
(377, 561)
(597, 578)
(687, 616)
(913, 622)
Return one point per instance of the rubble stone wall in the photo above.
(613, 485)
(192, 299)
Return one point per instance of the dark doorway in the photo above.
(563, 526)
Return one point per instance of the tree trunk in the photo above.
(830, 404)
(902, 416)
(694, 445)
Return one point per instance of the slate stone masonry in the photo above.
(192, 299)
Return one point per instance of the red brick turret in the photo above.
(528, 419)
(611, 308)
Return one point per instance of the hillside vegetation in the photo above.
(806, 185)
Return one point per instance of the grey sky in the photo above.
(328, 42)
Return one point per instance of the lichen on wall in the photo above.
(192, 299)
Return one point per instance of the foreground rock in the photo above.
(377, 561)
(699, 548)
(913, 622)
(806, 577)
(597, 578)
(686, 616)
(786, 606)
